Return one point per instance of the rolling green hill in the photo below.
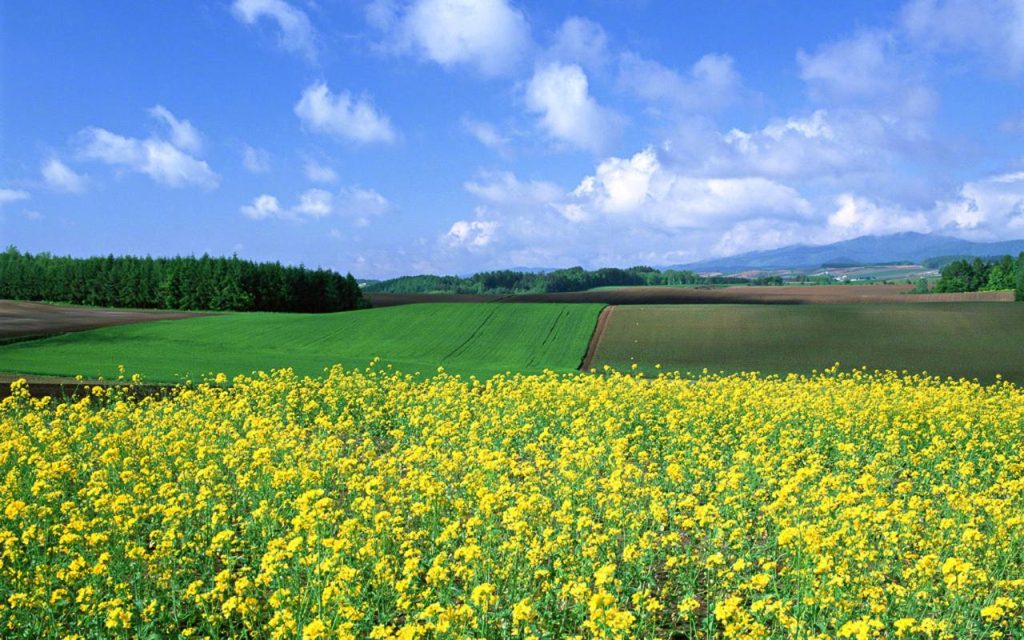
(471, 338)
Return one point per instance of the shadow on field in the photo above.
(70, 389)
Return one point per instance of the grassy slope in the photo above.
(478, 339)
(958, 339)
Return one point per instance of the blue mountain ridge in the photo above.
(898, 247)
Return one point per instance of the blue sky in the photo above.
(451, 136)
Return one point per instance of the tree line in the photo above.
(994, 274)
(559, 280)
(204, 283)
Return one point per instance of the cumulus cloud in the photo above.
(486, 134)
(491, 36)
(580, 41)
(797, 146)
(361, 204)
(262, 207)
(987, 209)
(255, 160)
(471, 234)
(61, 177)
(860, 217)
(568, 113)
(316, 172)
(758, 234)
(640, 186)
(866, 68)
(353, 202)
(159, 159)
(503, 187)
(657, 213)
(853, 67)
(993, 28)
(297, 34)
(833, 149)
(342, 115)
(183, 135)
(710, 83)
(314, 203)
(12, 195)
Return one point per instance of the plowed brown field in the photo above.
(28, 319)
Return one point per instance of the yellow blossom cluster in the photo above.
(370, 504)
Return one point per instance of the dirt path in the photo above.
(595, 338)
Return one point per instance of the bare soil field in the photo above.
(817, 294)
(30, 319)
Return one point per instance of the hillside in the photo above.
(481, 339)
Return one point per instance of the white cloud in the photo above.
(711, 82)
(867, 69)
(353, 202)
(316, 172)
(159, 159)
(489, 35)
(657, 214)
(342, 116)
(472, 234)
(503, 187)
(642, 187)
(581, 41)
(568, 112)
(255, 160)
(183, 135)
(987, 208)
(861, 65)
(486, 134)
(361, 203)
(622, 185)
(860, 217)
(262, 207)
(838, 149)
(994, 28)
(758, 234)
(13, 195)
(100, 144)
(297, 33)
(61, 177)
(797, 146)
(314, 203)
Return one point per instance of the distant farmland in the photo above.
(479, 339)
(960, 339)
(741, 294)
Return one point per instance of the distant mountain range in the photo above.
(898, 247)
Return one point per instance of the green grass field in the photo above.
(961, 339)
(467, 338)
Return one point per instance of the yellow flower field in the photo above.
(368, 504)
